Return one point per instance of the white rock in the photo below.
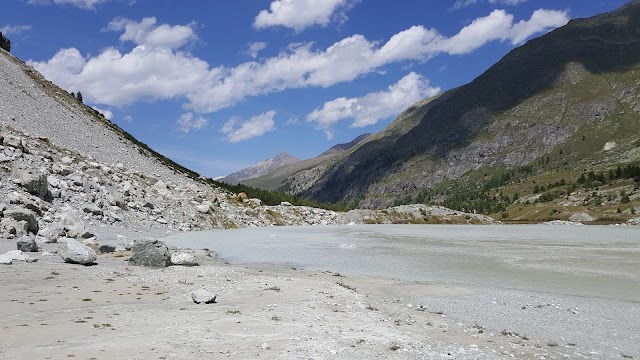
(16, 255)
(204, 208)
(184, 259)
(202, 296)
(72, 251)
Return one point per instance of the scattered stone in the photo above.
(184, 259)
(27, 244)
(202, 296)
(72, 251)
(151, 253)
(285, 203)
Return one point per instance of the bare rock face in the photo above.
(151, 253)
(5, 43)
(72, 251)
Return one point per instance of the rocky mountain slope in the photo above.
(274, 180)
(66, 171)
(549, 107)
(261, 168)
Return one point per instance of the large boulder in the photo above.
(35, 183)
(20, 214)
(72, 251)
(27, 244)
(5, 43)
(151, 253)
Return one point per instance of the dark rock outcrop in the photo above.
(5, 43)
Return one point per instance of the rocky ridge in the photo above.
(261, 168)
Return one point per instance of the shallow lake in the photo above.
(594, 261)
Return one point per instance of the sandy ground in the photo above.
(53, 310)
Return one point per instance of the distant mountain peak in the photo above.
(261, 168)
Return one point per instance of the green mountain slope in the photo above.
(560, 98)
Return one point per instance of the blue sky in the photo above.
(220, 85)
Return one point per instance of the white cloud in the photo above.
(83, 4)
(371, 108)
(14, 29)
(541, 18)
(298, 14)
(256, 126)
(187, 123)
(499, 26)
(147, 33)
(157, 68)
(464, 3)
(150, 71)
(254, 48)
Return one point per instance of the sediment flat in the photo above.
(53, 310)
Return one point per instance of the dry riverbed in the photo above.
(53, 310)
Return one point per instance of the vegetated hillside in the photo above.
(261, 168)
(274, 179)
(543, 113)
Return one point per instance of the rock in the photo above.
(581, 216)
(184, 259)
(124, 242)
(61, 169)
(66, 160)
(285, 203)
(92, 243)
(20, 214)
(107, 249)
(33, 182)
(12, 227)
(204, 208)
(151, 253)
(27, 244)
(5, 260)
(161, 220)
(202, 296)
(16, 255)
(161, 188)
(13, 141)
(92, 209)
(74, 252)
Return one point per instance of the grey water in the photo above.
(591, 261)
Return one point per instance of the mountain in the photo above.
(67, 171)
(565, 103)
(274, 179)
(260, 168)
